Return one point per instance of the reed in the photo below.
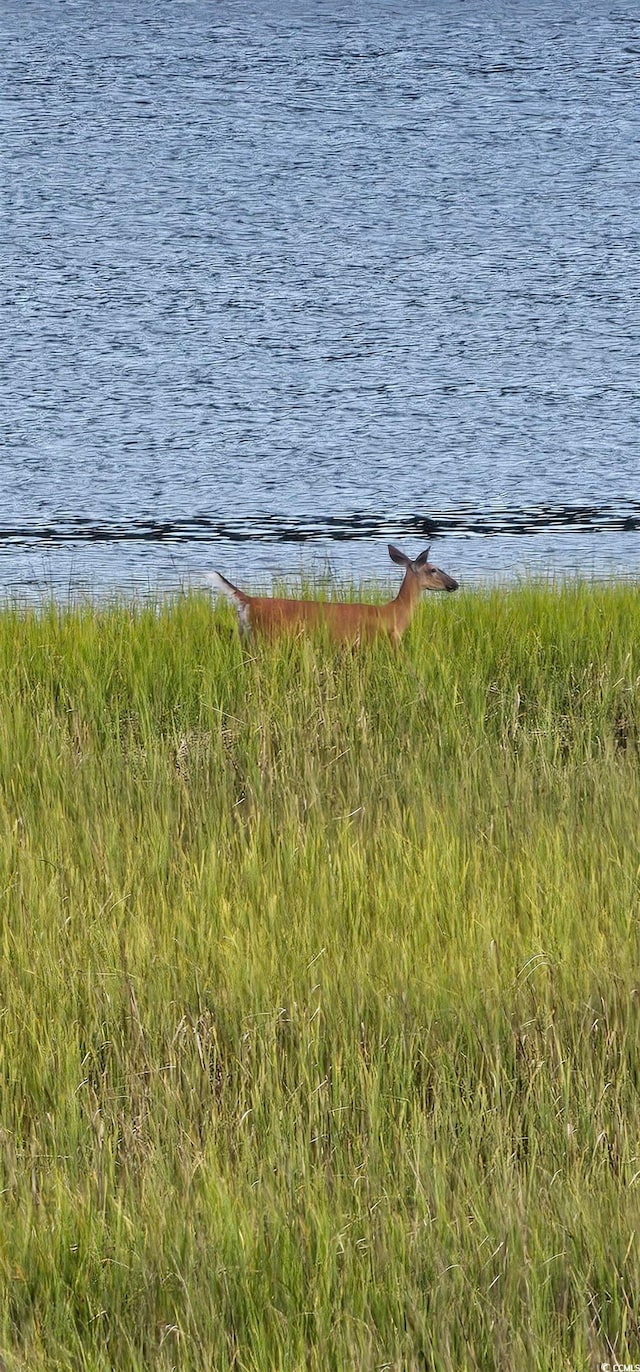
(319, 989)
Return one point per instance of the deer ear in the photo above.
(423, 557)
(397, 556)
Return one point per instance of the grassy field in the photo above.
(319, 990)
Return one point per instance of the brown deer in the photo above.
(350, 623)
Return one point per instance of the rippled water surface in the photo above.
(281, 282)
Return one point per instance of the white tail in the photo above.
(345, 622)
(235, 597)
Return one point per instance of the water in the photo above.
(280, 283)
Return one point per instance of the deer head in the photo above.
(429, 578)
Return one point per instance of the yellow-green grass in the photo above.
(319, 989)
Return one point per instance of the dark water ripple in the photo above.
(333, 528)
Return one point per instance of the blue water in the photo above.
(279, 282)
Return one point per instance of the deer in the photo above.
(346, 623)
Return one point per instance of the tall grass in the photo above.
(319, 990)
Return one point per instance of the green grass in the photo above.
(319, 990)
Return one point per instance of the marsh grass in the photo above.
(319, 989)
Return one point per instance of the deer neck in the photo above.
(405, 602)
